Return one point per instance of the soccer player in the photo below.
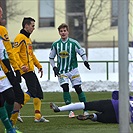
(19, 95)
(107, 110)
(26, 60)
(66, 50)
(6, 92)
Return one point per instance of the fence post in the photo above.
(48, 70)
(107, 70)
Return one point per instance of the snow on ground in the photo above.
(94, 80)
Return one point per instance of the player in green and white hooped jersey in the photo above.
(66, 50)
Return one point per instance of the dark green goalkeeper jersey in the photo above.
(66, 54)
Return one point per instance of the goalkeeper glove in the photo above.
(87, 65)
(56, 71)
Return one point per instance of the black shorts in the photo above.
(105, 110)
(8, 96)
(33, 85)
(19, 94)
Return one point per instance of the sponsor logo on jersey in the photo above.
(63, 54)
(30, 47)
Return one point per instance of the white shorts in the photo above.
(4, 82)
(73, 76)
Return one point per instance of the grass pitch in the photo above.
(59, 122)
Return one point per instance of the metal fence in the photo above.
(90, 62)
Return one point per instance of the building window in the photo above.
(114, 13)
(46, 13)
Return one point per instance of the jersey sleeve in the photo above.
(52, 52)
(80, 51)
(52, 56)
(36, 62)
(8, 47)
(3, 53)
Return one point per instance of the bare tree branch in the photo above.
(11, 11)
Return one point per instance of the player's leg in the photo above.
(64, 83)
(76, 83)
(37, 102)
(19, 101)
(3, 114)
(9, 97)
(66, 93)
(67, 98)
(72, 106)
(106, 113)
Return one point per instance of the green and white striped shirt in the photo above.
(66, 54)
(3, 53)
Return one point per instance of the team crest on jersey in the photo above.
(63, 54)
(6, 37)
(16, 44)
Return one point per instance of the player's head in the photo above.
(63, 25)
(28, 24)
(63, 31)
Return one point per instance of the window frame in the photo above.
(51, 20)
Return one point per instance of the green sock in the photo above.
(67, 97)
(9, 109)
(4, 118)
(82, 97)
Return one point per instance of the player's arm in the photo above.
(51, 59)
(37, 64)
(5, 61)
(8, 47)
(81, 52)
(4, 56)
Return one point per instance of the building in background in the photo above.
(92, 23)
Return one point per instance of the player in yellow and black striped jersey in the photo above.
(26, 60)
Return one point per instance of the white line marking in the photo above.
(47, 103)
(46, 116)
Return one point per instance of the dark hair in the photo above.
(63, 25)
(27, 21)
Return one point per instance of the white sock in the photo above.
(95, 117)
(72, 106)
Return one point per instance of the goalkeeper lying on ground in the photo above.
(107, 110)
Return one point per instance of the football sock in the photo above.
(4, 118)
(14, 117)
(72, 106)
(37, 107)
(26, 98)
(82, 97)
(9, 109)
(67, 97)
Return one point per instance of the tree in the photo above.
(93, 18)
(10, 11)
(85, 18)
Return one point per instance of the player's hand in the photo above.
(87, 65)
(40, 71)
(56, 71)
(18, 76)
(24, 68)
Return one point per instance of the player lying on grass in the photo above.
(107, 110)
